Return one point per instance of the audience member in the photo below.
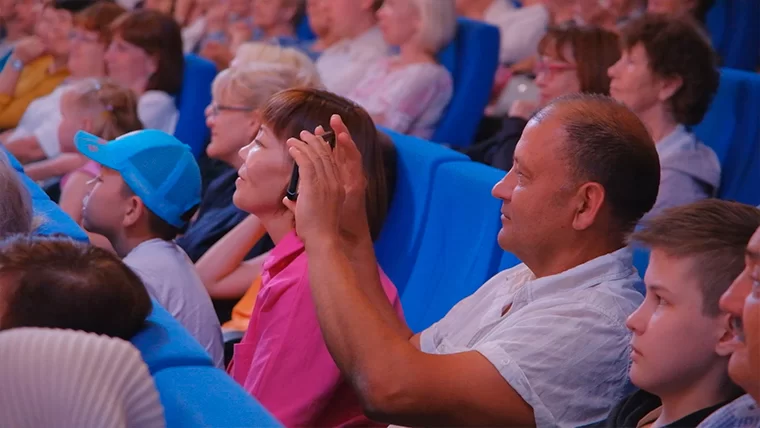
(608, 14)
(36, 136)
(585, 172)
(284, 328)
(742, 301)
(38, 63)
(667, 75)
(520, 29)
(67, 378)
(360, 43)
(17, 19)
(260, 52)
(409, 91)
(148, 187)
(234, 118)
(681, 8)
(146, 57)
(60, 283)
(572, 59)
(104, 109)
(191, 16)
(682, 341)
(321, 25)
(16, 216)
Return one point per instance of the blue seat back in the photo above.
(192, 101)
(165, 343)
(458, 251)
(193, 392)
(53, 220)
(417, 162)
(472, 58)
(198, 396)
(732, 128)
(303, 29)
(735, 32)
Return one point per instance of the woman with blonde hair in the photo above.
(234, 118)
(409, 91)
(259, 52)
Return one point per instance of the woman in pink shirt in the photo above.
(282, 359)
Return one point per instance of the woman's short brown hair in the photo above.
(594, 50)
(98, 19)
(678, 47)
(291, 111)
(56, 282)
(160, 36)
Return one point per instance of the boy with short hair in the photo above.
(682, 341)
(148, 188)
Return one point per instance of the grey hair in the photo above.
(16, 214)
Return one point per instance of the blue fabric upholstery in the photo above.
(303, 29)
(192, 101)
(207, 397)
(458, 251)
(732, 128)
(165, 343)
(5, 59)
(417, 162)
(54, 220)
(472, 59)
(734, 26)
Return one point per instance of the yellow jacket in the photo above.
(34, 82)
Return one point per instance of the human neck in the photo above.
(138, 86)
(234, 161)
(95, 72)
(711, 389)
(658, 121)
(278, 225)
(14, 32)
(325, 41)
(476, 9)
(278, 30)
(411, 53)
(573, 252)
(127, 241)
(363, 24)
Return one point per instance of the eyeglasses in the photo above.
(80, 36)
(546, 65)
(214, 109)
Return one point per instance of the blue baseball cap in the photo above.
(156, 166)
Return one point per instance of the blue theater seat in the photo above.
(458, 250)
(734, 27)
(193, 392)
(53, 220)
(417, 162)
(732, 128)
(472, 59)
(192, 101)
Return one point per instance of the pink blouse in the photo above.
(283, 360)
(408, 99)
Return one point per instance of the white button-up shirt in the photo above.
(562, 345)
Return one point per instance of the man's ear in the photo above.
(589, 200)
(724, 347)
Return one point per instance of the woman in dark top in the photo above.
(570, 59)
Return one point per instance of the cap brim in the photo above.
(94, 148)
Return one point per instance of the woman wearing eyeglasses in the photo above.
(234, 119)
(570, 60)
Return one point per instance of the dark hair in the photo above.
(376, 5)
(158, 226)
(72, 6)
(98, 18)
(606, 143)
(678, 47)
(160, 36)
(711, 232)
(291, 111)
(701, 9)
(594, 50)
(60, 283)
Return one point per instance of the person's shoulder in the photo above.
(155, 97)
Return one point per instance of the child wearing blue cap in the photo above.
(148, 188)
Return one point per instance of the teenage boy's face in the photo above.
(105, 206)
(742, 301)
(674, 342)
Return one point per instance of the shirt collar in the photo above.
(609, 267)
(285, 250)
(671, 141)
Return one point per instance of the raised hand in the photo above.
(29, 49)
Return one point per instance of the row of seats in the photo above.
(193, 392)
(735, 32)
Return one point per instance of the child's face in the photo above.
(105, 207)
(71, 122)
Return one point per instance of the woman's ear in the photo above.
(153, 61)
(254, 123)
(725, 346)
(669, 86)
(134, 211)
